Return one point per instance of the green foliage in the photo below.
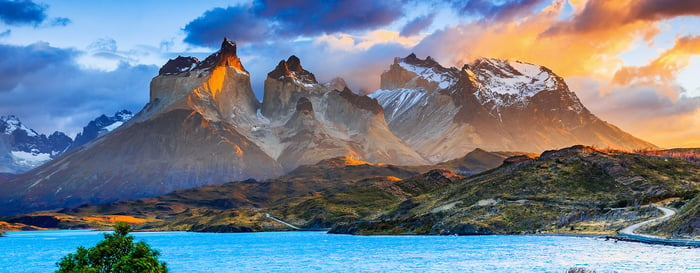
(117, 253)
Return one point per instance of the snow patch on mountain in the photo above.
(12, 124)
(101, 126)
(396, 102)
(30, 159)
(113, 126)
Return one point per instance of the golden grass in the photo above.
(114, 219)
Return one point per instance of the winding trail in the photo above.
(630, 234)
(631, 229)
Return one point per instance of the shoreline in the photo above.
(690, 243)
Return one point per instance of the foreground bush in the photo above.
(580, 270)
(117, 253)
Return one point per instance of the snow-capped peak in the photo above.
(123, 115)
(517, 81)
(427, 69)
(12, 123)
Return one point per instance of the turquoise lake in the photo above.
(37, 251)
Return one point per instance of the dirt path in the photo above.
(631, 229)
(630, 234)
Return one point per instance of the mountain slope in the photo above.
(490, 104)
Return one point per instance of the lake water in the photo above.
(37, 251)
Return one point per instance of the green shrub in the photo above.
(117, 253)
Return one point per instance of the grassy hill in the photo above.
(685, 224)
(577, 190)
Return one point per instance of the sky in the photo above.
(633, 63)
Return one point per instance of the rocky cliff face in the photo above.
(491, 104)
(285, 85)
(218, 88)
(314, 121)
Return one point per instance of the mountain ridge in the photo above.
(203, 125)
(492, 104)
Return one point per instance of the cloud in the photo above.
(567, 55)
(310, 17)
(18, 62)
(60, 22)
(238, 23)
(603, 15)
(359, 59)
(654, 10)
(663, 70)
(417, 25)
(361, 69)
(264, 20)
(18, 13)
(493, 10)
(46, 88)
(643, 110)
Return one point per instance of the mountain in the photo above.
(100, 126)
(188, 135)
(203, 125)
(310, 122)
(22, 148)
(491, 104)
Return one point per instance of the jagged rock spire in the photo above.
(226, 56)
(292, 69)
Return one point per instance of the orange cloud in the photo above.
(566, 53)
(643, 111)
(599, 15)
(663, 70)
(644, 100)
